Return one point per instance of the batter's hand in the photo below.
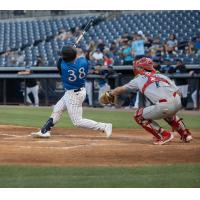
(107, 98)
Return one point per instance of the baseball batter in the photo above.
(73, 68)
(164, 96)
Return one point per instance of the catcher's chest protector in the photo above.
(152, 79)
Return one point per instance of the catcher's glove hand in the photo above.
(107, 98)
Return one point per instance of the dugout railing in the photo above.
(49, 73)
(5, 77)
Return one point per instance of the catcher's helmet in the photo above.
(142, 65)
(68, 53)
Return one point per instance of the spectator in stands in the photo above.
(77, 31)
(127, 53)
(39, 61)
(91, 47)
(125, 37)
(167, 67)
(64, 35)
(20, 59)
(157, 65)
(170, 47)
(194, 47)
(156, 50)
(97, 57)
(90, 50)
(114, 47)
(108, 60)
(138, 49)
(148, 42)
(11, 57)
(100, 45)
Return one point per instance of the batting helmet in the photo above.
(142, 65)
(68, 53)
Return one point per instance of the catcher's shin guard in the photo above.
(148, 125)
(48, 125)
(178, 125)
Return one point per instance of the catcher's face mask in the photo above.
(142, 65)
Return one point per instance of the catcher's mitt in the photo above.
(107, 98)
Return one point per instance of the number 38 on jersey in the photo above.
(73, 76)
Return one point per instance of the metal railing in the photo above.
(47, 73)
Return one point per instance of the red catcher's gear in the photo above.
(161, 136)
(152, 79)
(147, 124)
(178, 125)
(142, 65)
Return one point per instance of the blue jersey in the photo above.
(73, 74)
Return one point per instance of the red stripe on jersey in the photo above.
(152, 79)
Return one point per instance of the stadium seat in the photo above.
(39, 34)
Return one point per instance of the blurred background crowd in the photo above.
(170, 38)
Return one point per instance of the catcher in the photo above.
(165, 101)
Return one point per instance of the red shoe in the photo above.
(166, 137)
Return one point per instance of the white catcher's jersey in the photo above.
(154, 91)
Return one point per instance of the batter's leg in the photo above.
(58, 110)
(74, 107)
(161, 136)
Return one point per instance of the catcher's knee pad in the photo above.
(138, 116)
(147, 124)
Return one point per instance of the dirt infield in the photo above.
(80, 147)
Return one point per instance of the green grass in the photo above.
(35, 117)
(179, 176)
(187, 175)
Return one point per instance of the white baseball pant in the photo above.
(34, 90)
(88, 87)
(72, 102)
(164, 109)
(194, 98)
(184, 90)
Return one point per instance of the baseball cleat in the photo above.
(188, 138)
(164, 140)
(108, 130)
(39, 134)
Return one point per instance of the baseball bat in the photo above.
(86, 28)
